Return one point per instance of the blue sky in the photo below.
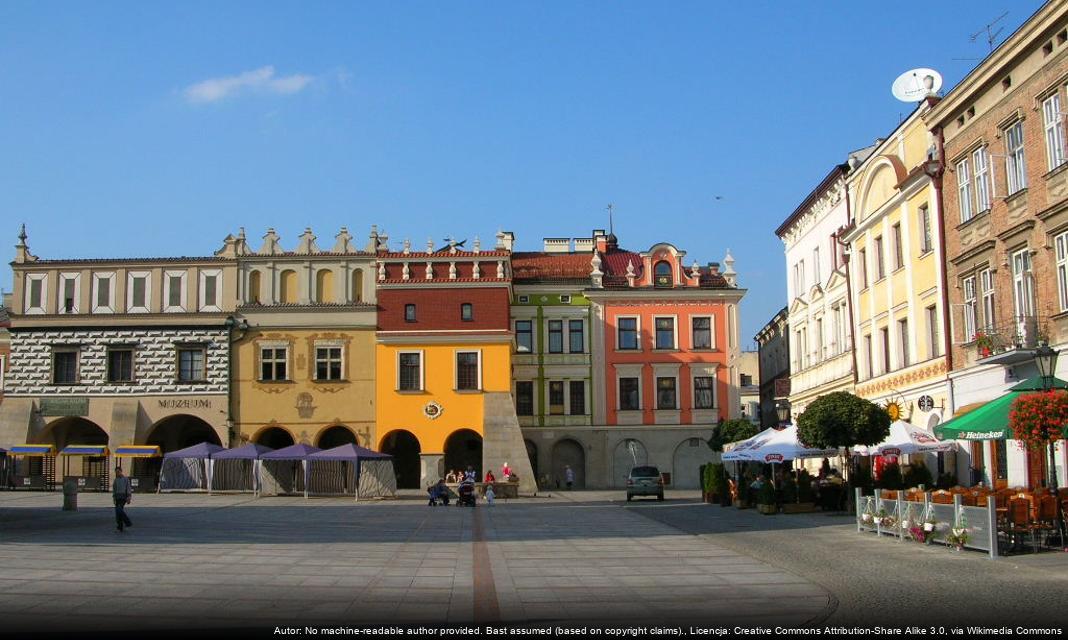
(145, 129)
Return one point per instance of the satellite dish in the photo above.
(915, 85)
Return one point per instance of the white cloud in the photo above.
(262, 79)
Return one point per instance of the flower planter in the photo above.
(798, 507)
(767, 509)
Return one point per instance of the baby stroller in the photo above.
(466, 494)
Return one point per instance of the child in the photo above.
(489, 494)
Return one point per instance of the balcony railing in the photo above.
(1012, 341)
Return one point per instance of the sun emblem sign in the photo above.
(433, 410)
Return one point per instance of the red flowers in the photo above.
(1039, 418)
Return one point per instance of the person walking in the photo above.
(569, 476)
(122, 493)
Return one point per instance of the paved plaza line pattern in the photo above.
(197, 561)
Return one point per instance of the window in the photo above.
(964, 190)
(35, 292)
(191, 365)
(925, 229)
(627, 333)
(273, 364)
(981, 160)
(665, 333)
(138, 291)
(816, 266)
(665, 393)
(1023, 287)
(467, 313)
(986, 289)
(577, 400)
(1001, 457)
(1051, 117)
(120, 365)
(862, 261)
(565, 299)
(1061, 244)
(524, 398)
(328, 363)
(880, 263)
(903, 332)
(870, 356)
(1015, 167)
(65, 366)
(174, 291)
(662, 276)
(524, 336)
(210, 283)
(819, 340)
(409, 313)
(628, 394)
(410, 371)
(556, 336)
(69, 292)
(899, 260)
(556, 397)
(468, 376)
(745, 380)
(103, 292)
(969, 309)
(932, 331)
(524, 299)
(702, 333)
(704, 395)
(577, 343)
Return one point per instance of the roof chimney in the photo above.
(556, 245)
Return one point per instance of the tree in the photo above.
(841, 419)
(731, 431)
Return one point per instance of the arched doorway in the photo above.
(69, 431)
(568, 453)
(686, 463)
(532, 455)
(404, 447)
(180, 431)
(628, 454)
(336, 436)
(275, 438)
(463, 449)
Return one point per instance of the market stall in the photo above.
(351, 470)
(285, 471)
(237, 469)
(188, 469)
(88, 464)
(34, 467)
(145, 461)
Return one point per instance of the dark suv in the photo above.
(645, 481)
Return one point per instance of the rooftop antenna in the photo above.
(991, 36)
(611, 229)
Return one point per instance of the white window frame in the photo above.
(630, 371)
(674, 332)
(533, 335)
(637, 333)
(584, 332)
(94, 305)
(1061, 247)
(274, 346)
(182, 294)
(456, 369)
(585, 397)
(1054, 133)
(704, 371)
(549, 396)
(130, 277)
(880, 258)
(678, 391)
(904, 353)
(862, 254)
(202, 291)
(549, 334)
(983, 179)
(327, 344)
(964, 190)
(986, 292)
(1015, 162)
(897, 238)
(422, 371)
(64, 278)
(43, 279)
(970, 308)
(711, 328)
(933, 330)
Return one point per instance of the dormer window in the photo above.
(662, 275)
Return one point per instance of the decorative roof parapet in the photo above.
(729, 273)
(596, 275)
(271, 246)
(22, 250)
(343, 242)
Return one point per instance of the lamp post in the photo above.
(782, 408)
(1046, 359)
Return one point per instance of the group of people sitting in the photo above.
(440, 493)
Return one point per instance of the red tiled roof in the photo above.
(536, 266)
(614, 263)
(416, 255)
(419, 279)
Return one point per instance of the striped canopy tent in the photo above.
(32, 450)
(352, 470)
(991, 420)
(285, 471)
(32, 466)
(188, 469)
(92, 458)
(237, 469)
(139, 452)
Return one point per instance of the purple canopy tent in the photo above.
(188, 469)
(278, 470)
(352, 470)
(237, 469)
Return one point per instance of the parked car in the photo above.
(645, 481)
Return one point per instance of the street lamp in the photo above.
(782, 408)
(1046, 359)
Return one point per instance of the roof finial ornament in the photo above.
(430, 245)
(452, 245)
(407, 246)
(478, 245)
(631, 276)
(728, 272)
(611, 228)
(22, 250)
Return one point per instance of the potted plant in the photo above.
(984, 343)
(957, 537)
(766, 499)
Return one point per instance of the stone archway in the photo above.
(568, 452)
(628, 454)
(463, 449)
(690, 454)
(275, 438)
(336, 436)
(404, 447)
(180, 431)
(72, 430)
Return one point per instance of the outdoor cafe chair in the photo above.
(1046, 518)
(968, 499)
(942, 497)
(1019, 521)
(889, 494)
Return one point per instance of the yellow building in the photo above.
(895, 270)
(444, 359)
(304, 350)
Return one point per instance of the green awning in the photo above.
(991, 421)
